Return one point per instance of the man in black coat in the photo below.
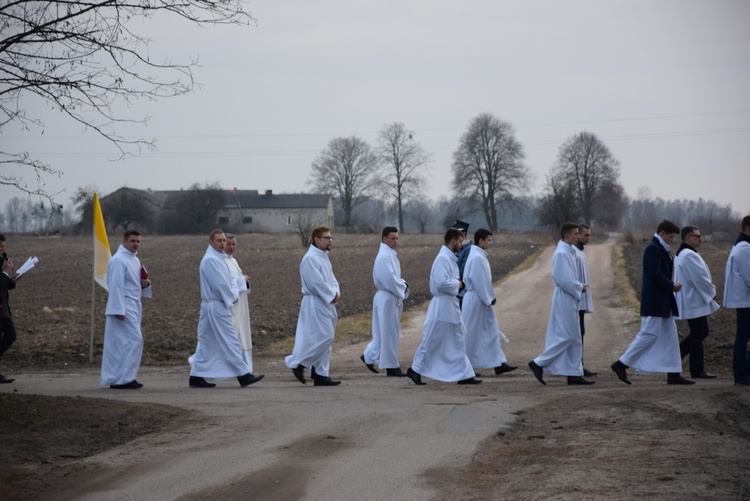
(7, 282)
(656, 348)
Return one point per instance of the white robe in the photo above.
(123, 341)
(696, 299)
(737, 277)
(218, 354)
(563, 347)
(482, 332)
(656, 347)
(241, 313)
(387, 307)
(586, 303)
(442, 353)
(317, 320)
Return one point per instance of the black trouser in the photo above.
(581, 314)
(7, 334)
(693, 344)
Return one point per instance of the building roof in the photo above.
(245, 199)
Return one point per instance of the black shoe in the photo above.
(578, 381)
(588, 373)
(619, 369)
(471, 380)
(369, 366)
(476, 374)
(199, 382)
(5, 380)
(414, 376)
(502, 369)
(679, 380)
(325, 381)
(538, 371)
(133, 385)
(299, 373)
(703, 375)
(397, 372)
(249, 379)
(742, 382)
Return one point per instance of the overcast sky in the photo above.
(665, 84)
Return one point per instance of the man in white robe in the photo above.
(563, 346)
(127, 282)
(240, 309)
(482, 332)
(695, 302)
(218, 354)
(656, 347)
(317, 320)
(737, 295)
(442, 353)
(586, 304)
(387, 307)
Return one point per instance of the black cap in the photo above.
(461, 226)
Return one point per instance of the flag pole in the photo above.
(93, 297)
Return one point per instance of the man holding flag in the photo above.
(127, 282)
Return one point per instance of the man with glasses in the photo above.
(695, 302)
(317, 313)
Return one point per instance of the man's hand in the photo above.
(336, 299)
(120, 317)
(585, 287)
(677, 287)
(145, 283)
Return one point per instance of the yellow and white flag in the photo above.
(102, 254)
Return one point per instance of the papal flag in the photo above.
(102, 254)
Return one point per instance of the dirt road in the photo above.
(375, 437)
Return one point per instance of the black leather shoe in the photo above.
(299, 373)
(133, 385)
(416, 378)
(703, 375)
(325, 381)
(249, 379)
(538, 371)
(679, 380)
(476, 374)
(397, 372)
(5, 380)
(588, 373)
(578, 381)
(619, 369)
(502, 369)
(199, 382)
(742, 382)
(471, 380)
(369, 366)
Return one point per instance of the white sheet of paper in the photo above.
(27, 266)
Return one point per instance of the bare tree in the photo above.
(347, 168)
(125, 208)
(488, 165)
(82, 58)
(305, 221)
(408, 162)
(586, 164)
(558, 203)
(83, 200)
(422, 211)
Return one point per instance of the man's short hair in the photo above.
(388, 230)
(567, 228)
(451, 234)
(481, 234)
(583, 226)
(687, 230)
(318, 232)
(230, 235)
(667, 226)
(745, 222)
(213, 234)
(2, 237)
(130, 233)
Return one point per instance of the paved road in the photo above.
(372, 437)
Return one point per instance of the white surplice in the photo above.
(241, 313)
(737, 277)
(442, 353)
(218, 354)
(586, 303)
(696, 299)
(123, 341)
(387, 307)
(317, 320)
(482, 332)
(563, 347)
